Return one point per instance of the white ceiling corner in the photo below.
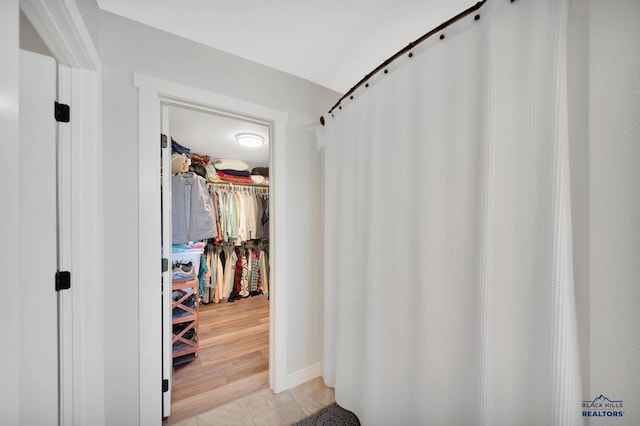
(333, 43)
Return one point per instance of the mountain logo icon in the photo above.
(600, 399)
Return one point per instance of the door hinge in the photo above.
(165, 264)
(163, 141)
(62, 112)
(63, 280)
(165, 385)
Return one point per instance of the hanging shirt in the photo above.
(232, 217)
(193, 216)
(220, 279)
(242, 220)
(239, 273)
(264, 271)
(258, 218)
(246, 272)
(265, 219)
(255, 273)
(250, 215)
(216, 209)
(229, 274)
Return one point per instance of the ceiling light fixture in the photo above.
(249, 140)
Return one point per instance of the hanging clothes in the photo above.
(258, 216)
(246, 273)
(242, 219)
(265, 219)
(264, 271)
(256, 275)
(220, 278)
(194, 216)
(237, 276)
(229, 274)
(203, 273)
(236, 263)
(250, 215)
(216, 206)
(241, 213)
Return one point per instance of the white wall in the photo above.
(125, 47)
(90, 12)
(9, 314)
(614, 158)
(30, 39)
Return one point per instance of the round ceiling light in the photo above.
(249, 140)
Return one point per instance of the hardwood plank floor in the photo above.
(233, 360)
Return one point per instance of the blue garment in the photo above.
(203, 270)
(179, 149)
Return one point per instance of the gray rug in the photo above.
(331, 415)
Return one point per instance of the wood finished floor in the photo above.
(233, 360)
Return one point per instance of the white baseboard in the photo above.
(304, 375)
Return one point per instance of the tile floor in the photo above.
(267, 408)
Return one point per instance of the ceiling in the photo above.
(333, 43)
(214, 135)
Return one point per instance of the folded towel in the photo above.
(236, 179)
(259, 180)
(235, 172)
(212, 175)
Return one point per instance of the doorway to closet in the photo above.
(219, 316)
(153, 93)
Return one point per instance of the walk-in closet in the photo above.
(220, 281)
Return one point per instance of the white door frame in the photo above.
(152, 92)
(167, 282)
(81, 309)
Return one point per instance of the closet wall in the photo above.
(125, 47)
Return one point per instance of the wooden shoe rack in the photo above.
(185, 318)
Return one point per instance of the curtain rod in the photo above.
(407, 49)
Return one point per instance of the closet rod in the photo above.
(246, 185)
(405, 50)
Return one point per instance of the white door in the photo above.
(35, 293)
(167, 325)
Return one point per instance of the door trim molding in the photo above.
(152, 92)
(63, 30)
(81, 309)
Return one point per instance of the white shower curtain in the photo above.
(449, 293)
